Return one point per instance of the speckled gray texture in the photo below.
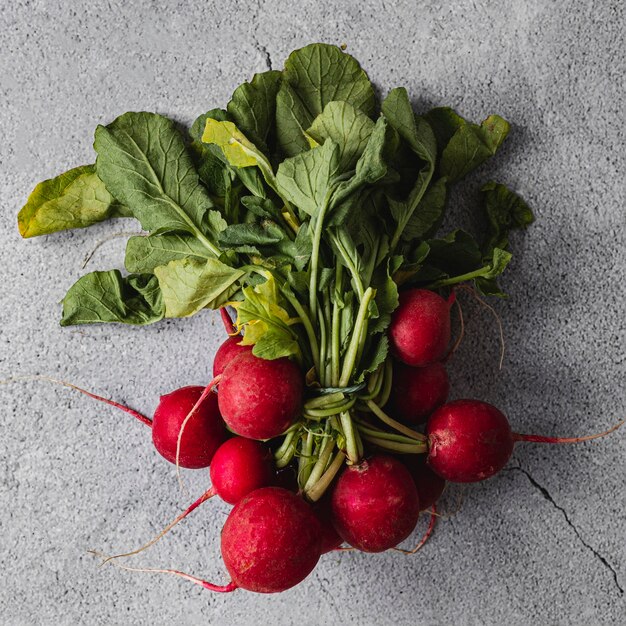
(543, 542)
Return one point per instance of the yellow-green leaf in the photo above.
(75, 199)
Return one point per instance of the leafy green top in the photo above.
(298, 204)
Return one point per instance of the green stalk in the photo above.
(445, 282)
(362, 341)
(401, 428)
(374, 384)
(335, 348)
(321, 370)
(320, 465)
(285, 453)
(369, 430)
(371, 263)
(317, 491)
(305, 460)
(326, 364)
(330, 411)
(308, 326)
(393, 446)
(388, 378)
(325, 401)
(352, 448)
(403, 222)
(315, 253)
(356, 278)
(351, 354)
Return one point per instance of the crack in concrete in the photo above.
(257, 44)
(546, 494)
(326, 588)
(268, 58)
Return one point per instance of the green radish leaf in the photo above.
(109, 297)
(261, 207)
(143, 254)
(347, 126)
(266, 323)
(471, 145)
(386, 301)
(250, 234)
(341, 240)
(456, 254)
(419, 136)
(292, 121)
(370, 168)
(189, 285)
(428, 213)
(374, 356)
(314, 76)
(415, 130)
(445, 122)
(74, 199)
(307, 180)
(505, 211)
(143, 161)
(253, 107)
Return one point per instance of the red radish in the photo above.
(271, 541)
(228, 351)
(470, 440)
(260, 399)
(375, 504)
(429, 485)
(330, 537)
(417, 391)
(420, 327)
(203, 433)
(239, 467)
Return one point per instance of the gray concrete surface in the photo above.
(541, 543)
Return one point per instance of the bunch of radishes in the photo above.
(277, 531)
(312, 210)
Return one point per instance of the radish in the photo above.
(417, 391)
(420, 327)
(271, 541)
(239, 467)
(429, 485)
(228, 351)
(260, 399)
(375, 504)
(470, 440)
(203, 432)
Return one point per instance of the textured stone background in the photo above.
(544, 541)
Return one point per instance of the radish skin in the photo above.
(200, 435)
(260, 399)
(375, 504)
(417, 391)
(420, 327)
(271, 541)
(470, 440)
